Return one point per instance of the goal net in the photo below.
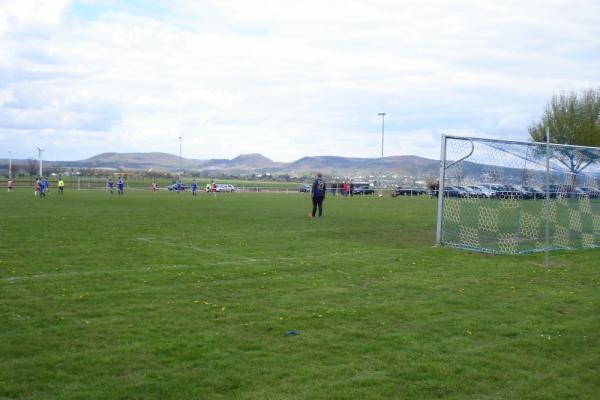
(496, 196)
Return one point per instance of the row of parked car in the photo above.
(519, 192)
(358, 190)
(487, 191)
(221, 187)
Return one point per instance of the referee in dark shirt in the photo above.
(318, 195)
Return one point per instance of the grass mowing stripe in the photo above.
(245, 260)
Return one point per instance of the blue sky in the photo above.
(283, 78)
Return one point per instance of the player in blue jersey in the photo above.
(194, 187)
(318, 195)
(43, 187)
(111, 185)
(120, 187)
(46, 186)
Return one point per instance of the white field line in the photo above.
(117, 271)
(248, 260)
(194, 248)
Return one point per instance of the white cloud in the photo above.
(6, 96)
(26, 14)
(285, 78)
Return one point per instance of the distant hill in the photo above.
(242, 162)
(247, 164)
(135, 161)
(402, 165)
(254, 160)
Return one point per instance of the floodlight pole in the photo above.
(382, 115)
(180, 140)
(41, 158)
(547, 202)
(9, 164)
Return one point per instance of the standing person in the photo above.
(42, 185)
(45, 186)
(194, 187)
(120, 187)
(154, 186)
(61, 186)
(318, 195)
(213, 187)
(111, 185)
(207, 187)
(9, 185)
(181, 187)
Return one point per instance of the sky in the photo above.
(283, 78)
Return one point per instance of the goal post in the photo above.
(496, 196)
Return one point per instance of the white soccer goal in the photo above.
(499, 198)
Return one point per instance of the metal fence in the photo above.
(139, 184)
(512, 197)
(100, 184)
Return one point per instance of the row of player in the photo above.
(318, 189)
(42, 186)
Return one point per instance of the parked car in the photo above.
(466, 191)
(305, 188)
(362, 190)
(509, 192)
(408, 191)
(482, 191)
(554, 191)
(451, 191)
(533, 193)
(476, 191)
(578, 192)
(592, 192)
(225, 187)
(493, 187)
(519, 192)
(561, 191)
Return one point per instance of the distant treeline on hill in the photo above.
(246, 166)
(21, 171)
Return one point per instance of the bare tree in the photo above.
(31, 166)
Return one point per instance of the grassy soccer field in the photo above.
(164, 296)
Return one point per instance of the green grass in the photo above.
(160, 296)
